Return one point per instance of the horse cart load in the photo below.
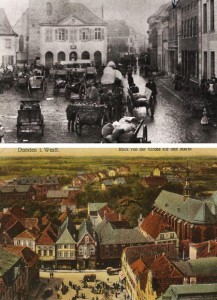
(30, 118)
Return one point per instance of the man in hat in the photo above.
(152, 86)
(71, 114)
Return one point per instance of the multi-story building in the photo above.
(208, 22)
(7, 41)
(189, 45)
(174, 50)
(13, 276)
(87, 246)
(55, 31)
(66, 245)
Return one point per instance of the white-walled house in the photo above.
(81, 35)
(7, 41)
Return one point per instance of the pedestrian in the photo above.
(204, 121)
(152, 86)
(130, 80)
(48, 281)
(151, 106)
(71, 114)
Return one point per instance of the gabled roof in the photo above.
(153, 225)
(26, 235)
(7, 260)
(38, 180)
(86, 228)
(96, 206)
(67, 233)
(29, 256)
(30, 223)
(191, 290)
(191, 210)
(5, 26)
(138, 266)
(148, 252)
(108, 235)
(47, 238)
(206, 249)
(57, 194)
(15, 230)
(83, 14)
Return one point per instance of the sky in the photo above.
(135, 12)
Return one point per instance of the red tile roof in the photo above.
(149, 252)
(206, 249)
(29, 256)
(153, 181)
(138, 266)
(47, 238)
(153, 225)
(104, 210)
(30, 223)
(26, 235)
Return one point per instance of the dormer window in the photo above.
(49, 9)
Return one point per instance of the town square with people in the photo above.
(64, 59)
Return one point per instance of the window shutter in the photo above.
(66, 34)
(56, 34)
(75, 35)
(103, 34)
(80, 34)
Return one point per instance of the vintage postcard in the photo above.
(120, 223)
(125, 71)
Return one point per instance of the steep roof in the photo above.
(206, 249)
(67, 233)
(191, 210)
(7, 260)
(82, 13)
(29, 256)
(148, 252)
(109, 235)
(85, 228)
(16, 188)
(120, 180)
(138, 266)
(96, 206)
(5, 26)
(108, 182)
(47, 238)
(153, 225)
(26, 235)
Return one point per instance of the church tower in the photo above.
(42, 11)
(187, 187)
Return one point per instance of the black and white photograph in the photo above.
(124, 71)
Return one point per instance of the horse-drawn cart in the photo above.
(88, 114)
(30, 118)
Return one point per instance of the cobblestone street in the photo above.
(171, 123)
(76, 278)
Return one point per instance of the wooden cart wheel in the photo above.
(82, 92)
(78, 125)
(102, 121)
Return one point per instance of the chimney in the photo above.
(102, 11)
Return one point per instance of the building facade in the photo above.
(7, 41)
(57, 31)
